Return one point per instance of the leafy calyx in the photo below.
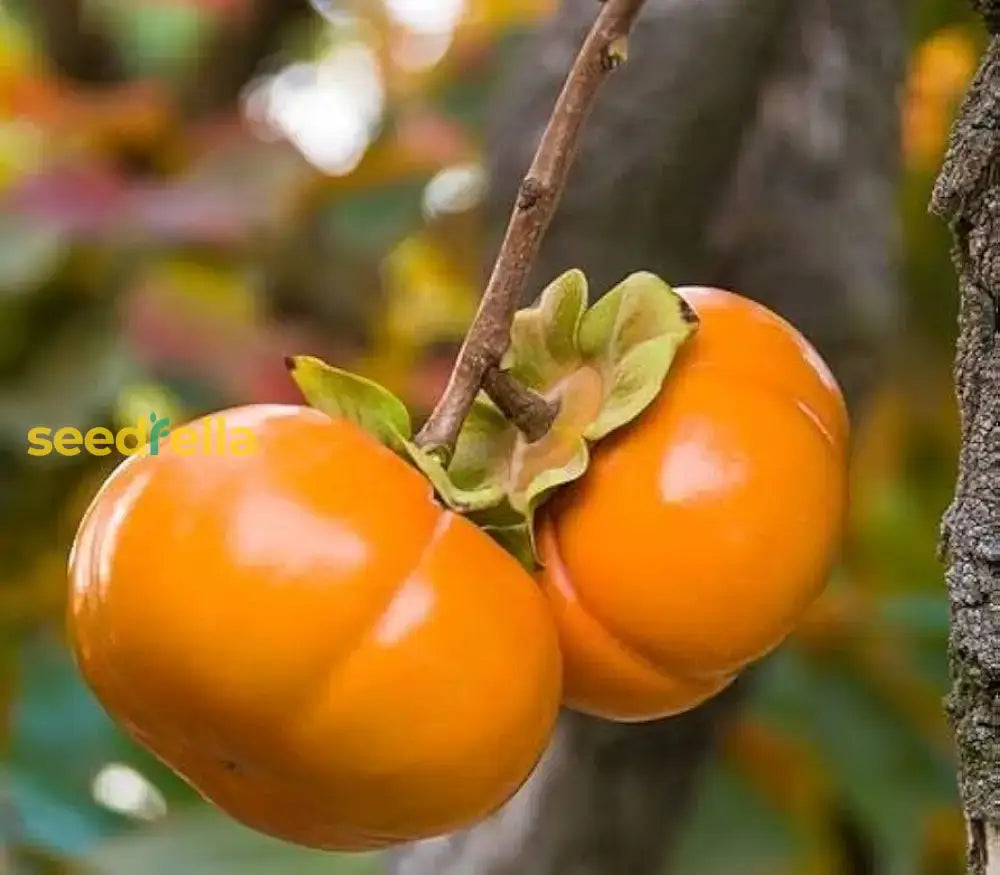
(603, 366)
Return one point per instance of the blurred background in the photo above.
(190, 190)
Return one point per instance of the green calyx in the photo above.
(603, 365)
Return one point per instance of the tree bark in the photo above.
(751, 145)
(968, 195)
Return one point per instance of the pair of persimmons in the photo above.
(329, 655)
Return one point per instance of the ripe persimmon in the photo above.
(309, 639)
(703, 529)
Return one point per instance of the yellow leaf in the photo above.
(429, 299)
(216, 291)
(500, 14)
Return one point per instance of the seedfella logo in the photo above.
(208, 437)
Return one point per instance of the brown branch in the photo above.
(603, 50)
(529, 411)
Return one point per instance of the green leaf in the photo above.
(75, 373)
(30, 252)
(476, 478)
(550, 479)
(484, 446)
(542, 487)
(759, 839)
(544, 342)
(373, 408)
(510, 518)
(632, 336)
(60, 740)
(160, 38)
(371, 222)
(462, 500)
(517, 539)
(635, 382)
(508, 477)
(341, 394)
(885, 772)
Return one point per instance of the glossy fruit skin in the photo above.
(703, 529)
(309, 639)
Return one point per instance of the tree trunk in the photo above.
(751, 145)
(968, 195)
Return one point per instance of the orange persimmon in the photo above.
(702, 530)
(308, 638)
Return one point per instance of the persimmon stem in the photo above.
(529, 411)
(603, 51)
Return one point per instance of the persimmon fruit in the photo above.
(309, 639)
(701, 530)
